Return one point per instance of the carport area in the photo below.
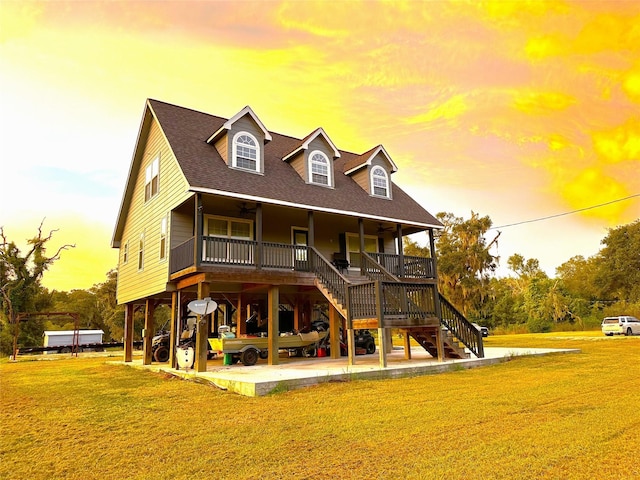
(292, 373)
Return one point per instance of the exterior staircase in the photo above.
(379, 299)
(426, 337)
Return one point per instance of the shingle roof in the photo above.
(188, 130)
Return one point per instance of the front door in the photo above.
(300, 239)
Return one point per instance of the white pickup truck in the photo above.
(622, 325)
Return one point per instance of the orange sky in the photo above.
(516, 110)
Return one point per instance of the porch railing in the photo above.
(414, 267)
(280, 255)
(394, 304)
(227, 251)
(182, 256)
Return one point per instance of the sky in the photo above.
(517, 110)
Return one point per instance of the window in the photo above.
(151, 178)
(319, 164)
(246, 154)
(125, 252)
(379, 182)
(141, 252)
(163, 238)
(228, 240)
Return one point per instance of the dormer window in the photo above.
(245, 152)
(319, 168)
(379, 182)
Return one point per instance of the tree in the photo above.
(465, 261)
(20, 277)
(619, 263)
(579, 277)
(107, 303)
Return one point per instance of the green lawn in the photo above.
(561, 416)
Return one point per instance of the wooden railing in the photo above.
(394, 303)
(418, 267)
(280, 255)
(227, 251)
(414, 267)
(328, 275)
(373, 270)
(363, 300)
(182, 256)
(408, 303)
(461, 328)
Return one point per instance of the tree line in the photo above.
(583, 291)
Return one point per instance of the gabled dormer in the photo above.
(372, 171)
(313, 159)
(240, 141)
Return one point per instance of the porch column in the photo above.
(149, 308)
(334, 331)
(351, 347)
(361, 232)
(273, 325)
(312, 234)
(174, 329)
(202, 330)
(406, 340)
(241, 318)
(259, 246)
(383, 347)
(297, 315)
(436, 295)
(198, 230)
(382, 332)
(400, 250)
(128, 332)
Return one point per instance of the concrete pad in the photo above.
(291, 373)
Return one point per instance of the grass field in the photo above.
(562, 416)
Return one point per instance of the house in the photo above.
(278, 231)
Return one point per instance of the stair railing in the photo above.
(375, 271)
(461, 328)
(329, 275)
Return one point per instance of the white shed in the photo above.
(55, 338)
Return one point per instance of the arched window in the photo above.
(379, 182)
(319, 167)
(246, 153)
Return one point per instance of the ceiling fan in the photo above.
(245, 210)
(382, 229)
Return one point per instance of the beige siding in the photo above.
(181, 228)
(145, 218)
(222, 145)
(299, 164)
(361, 177)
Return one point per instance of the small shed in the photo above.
(56, 338)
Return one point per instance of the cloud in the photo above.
(620, 144)
(447, 110)
(532, 102)
(631, 83)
